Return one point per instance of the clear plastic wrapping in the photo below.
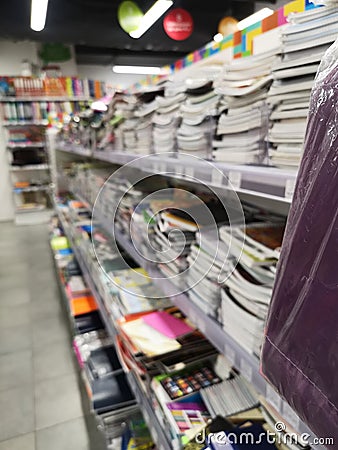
(300, 351)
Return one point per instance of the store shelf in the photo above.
(29, 167)
(146, 407)
(76, 150)
(17, 123)
(261, 181)
(247, 363)
(45, 99)
(24, 145)
(31, 189)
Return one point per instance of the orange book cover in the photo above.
(82, 305)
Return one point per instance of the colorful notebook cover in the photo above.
(167, 324)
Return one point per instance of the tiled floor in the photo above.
(40, 400)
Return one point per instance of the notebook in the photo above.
(167, 324)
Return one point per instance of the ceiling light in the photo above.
(142, 70)
(38, 14)
(151, 16)
(218, 37)
(254, 18)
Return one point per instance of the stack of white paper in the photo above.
(197, 126)
(304, 42)
(243, 124)
(165, 122)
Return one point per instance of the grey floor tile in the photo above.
(16, 369)
(13, 339)
(14, 316)
(53, 361)
(14, 292)
(70, 435)
(24, 442)
(45, 308)
(17, 412)
(50, 331)
(57, 400)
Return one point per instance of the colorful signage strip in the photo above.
(240, 41)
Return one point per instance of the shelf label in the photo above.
(230, 353)
(189, 172)
(162, 168)
(154, 434)
(246, 370)
(146, 415)
(290, 416)
(235, 178)
(289, 188)
(273, 398)
(217, 177)
(156, 167)
(179, 171)
(201, 325)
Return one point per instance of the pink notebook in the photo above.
(167, 324)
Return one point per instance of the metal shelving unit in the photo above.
(144, 402)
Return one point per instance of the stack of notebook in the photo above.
(304, 42)
(198, 111)
(166, 121)
(159, 342)
(243, 123)
(142, 123)
(247, 292)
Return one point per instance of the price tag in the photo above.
(146, 416)
(201, 325)
(156, 167)
(230, 354)
(179, 171)
(290, 416)
(289, 188)
(154, 434)
(246, 370)
(235, 178)
(217, 177)
(162, 168)
(189, 172)
(273, 398)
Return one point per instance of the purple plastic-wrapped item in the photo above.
(300, 351)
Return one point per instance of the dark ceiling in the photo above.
(93, 27)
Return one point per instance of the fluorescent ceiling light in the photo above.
(38, 14)
(142, 70)
(151, 16)
(254, 18)
(218, 37)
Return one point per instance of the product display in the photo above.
(191, 233)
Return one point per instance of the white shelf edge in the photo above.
(18, 123)
(45, 99)
(29, 167)
(262, 181)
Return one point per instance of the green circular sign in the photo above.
(129, 16)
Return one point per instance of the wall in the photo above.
(105, 73)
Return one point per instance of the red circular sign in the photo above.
(178, 24)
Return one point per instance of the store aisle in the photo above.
(40, 400)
